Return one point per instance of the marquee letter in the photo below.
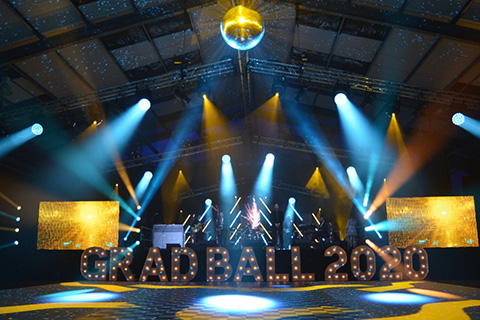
(408, 262)
(392, 257)
(101, 274)
(177, 252)
(355, 264)
(212, 264)
(248, 256)
(120, 260)
(153, 256)
(271, 275)
(330, 274)
(297, 274)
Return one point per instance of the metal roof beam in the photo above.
(393, 19)
(172, 10)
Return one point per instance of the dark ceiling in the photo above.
(76, 61)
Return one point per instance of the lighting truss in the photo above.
(204, 190)
(304, 147)
(171, 79)
(183, 152)
(316, 75)
(277, 184)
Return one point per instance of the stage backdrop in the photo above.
(432, 222)
(78, 225)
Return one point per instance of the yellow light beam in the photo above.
(317, 184)
(186, 241)
(70, 305)
(315, 217)
(125, 227)
(181, 183)
(107, 287)
(185, 222)
(206, 226)
(421, 147)
(88, 132)
(236, 203)
(233, 234)
(9, 200)
(265, 229)
(9, 229)
(301, 234)
(214, 123)
(265, 205)
(122, 171)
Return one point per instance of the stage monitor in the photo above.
(432, 222)
(78, 225)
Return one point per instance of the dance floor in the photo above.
(320, 300)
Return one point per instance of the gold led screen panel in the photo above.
(78, 225)
(432, 222)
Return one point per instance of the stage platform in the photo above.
(320, 300)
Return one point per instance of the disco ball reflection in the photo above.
(242, 28)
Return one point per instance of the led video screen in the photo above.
(78, 225)
(432, 222)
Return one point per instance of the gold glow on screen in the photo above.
(78, 225)
(432, 222)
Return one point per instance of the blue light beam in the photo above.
(228, 187)
(189, 121)
(263, 185)
(19, 138)
(469, 124)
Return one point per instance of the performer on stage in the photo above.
(219, 229)
(351, 234)
(325, 232)
(278, 217)
(196, 229)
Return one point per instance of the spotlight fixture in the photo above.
(19, 208)
(15, 242)
(340, 94)
(340, 99)
(144, 104)
(148, 175)
(203, 90)
(458, 119)
(17, 219)
(292, 200)
(139, 207)
(351, 170)
(208, 202)
(37, 129)
(138, 218)
(278, 87)
(137, 242)
(270, 157)
(226, 158)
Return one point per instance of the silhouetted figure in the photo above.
(219, 228)
(351, 234)
(325, 232)
(278, 217)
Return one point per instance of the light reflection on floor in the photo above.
(352, 300)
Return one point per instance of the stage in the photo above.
(319, 300)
